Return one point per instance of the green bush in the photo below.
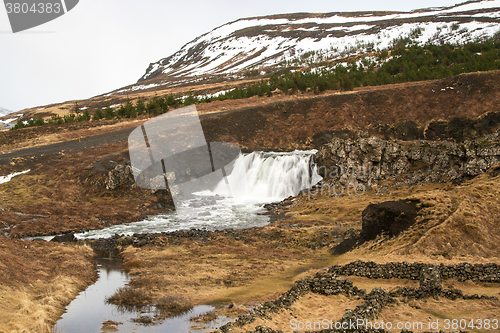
(109, 113)
(98, 115)
(408, 62)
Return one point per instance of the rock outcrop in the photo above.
(391, 217)
(367, 161)
(121, 175)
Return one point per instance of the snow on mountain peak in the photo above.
(4, 112)
(262, 42)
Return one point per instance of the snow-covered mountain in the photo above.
(4, 112)
(261, 42)
(9, 121)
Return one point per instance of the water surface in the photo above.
(89, 310)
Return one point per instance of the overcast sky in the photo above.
(102, 45)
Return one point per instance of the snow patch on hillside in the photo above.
(6, 179)
(4, 112)
(257, 43)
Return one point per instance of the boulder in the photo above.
(65, 238)
(391, 218)
(121, 175)
(430, 280)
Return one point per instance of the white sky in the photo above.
(102, 45)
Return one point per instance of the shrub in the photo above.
(129, 298)
(173, 305)
(98, 115)
(109, 113)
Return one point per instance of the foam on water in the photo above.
(255, 179)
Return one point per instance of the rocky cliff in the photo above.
(368, 161)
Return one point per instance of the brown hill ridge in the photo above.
(431, 110)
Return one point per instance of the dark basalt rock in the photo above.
(430, 279)
(368, 161)
(68, 237)
(391, 217)
(328, 283)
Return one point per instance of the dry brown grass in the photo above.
(130, 299)
(473, 288)
(313, 308)
(309, 308)
(467, 287)
(473, 228)
(205, 317)
(37, 280)
(221, 270)
(173, 305)
(455, 223)
(461, 224)
(110, 326)
(65, 193)
(415, 312)
(347, 210)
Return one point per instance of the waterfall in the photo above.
(253, 180)
(265, 177)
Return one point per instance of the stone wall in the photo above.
(404, 270)
(328, 283)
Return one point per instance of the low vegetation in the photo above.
(37, 280)
(405, 61)
(130, 299)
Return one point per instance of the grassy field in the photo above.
(37, 280)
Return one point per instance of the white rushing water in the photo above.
(256, 179)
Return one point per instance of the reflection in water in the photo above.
(88, 311)
(255, 179)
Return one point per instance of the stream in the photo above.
(255, 179)
(89, 312)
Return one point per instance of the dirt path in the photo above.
(84, 143)
(60, 147)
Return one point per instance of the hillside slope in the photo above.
(279, 40)
(241, 53)
(4, 112)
